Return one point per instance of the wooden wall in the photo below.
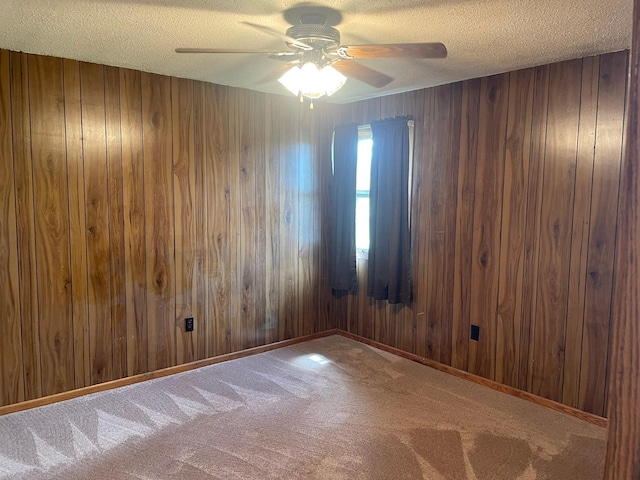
(129, 201)
(623, 442)
(514, 207)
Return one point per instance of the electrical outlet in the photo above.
(475, 332)
(188, 324)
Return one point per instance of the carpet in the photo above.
(330, 408)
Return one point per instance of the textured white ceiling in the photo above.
(483, 36)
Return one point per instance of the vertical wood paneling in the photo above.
(505, 203)
(184, 210)
(364, 310)
(451, 207)
(140, 200)
(353, 310)
(288, 222)
(422, 208)
(26, 234)
(532, 229)
(116, 221)
(464, 224)
(272, 213)
(556, 226)
(235, 217)
(494, 98)
(380, 330)
(48, 153)
(516, 182)
(602, 234)
(77, 223)
(446, 117)
(245, 330)
(201, 220)
(11, 377)
(440, 110)
(580, 234)
(217, 186)
(323, 133)
(159, 219)
(623, 445)
(134, 221)
(311, 324)
(212, 201)
(94, 146)
(306, 215)
(259, 154)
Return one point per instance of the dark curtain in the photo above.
(342, 226)
(389, 268)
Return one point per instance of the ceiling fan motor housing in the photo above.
(314, 32)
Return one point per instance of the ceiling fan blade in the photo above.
(232, 50)
(277, 73)
(393, 50)
(282, 36)
(362, 73)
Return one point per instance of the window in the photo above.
(363, 179)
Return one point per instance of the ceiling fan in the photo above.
(316, 63)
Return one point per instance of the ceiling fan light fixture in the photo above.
(332, 80)
(291, 80)
(311, 81)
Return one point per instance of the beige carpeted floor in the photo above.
(326, 409)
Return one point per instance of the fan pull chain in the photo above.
(301, 97)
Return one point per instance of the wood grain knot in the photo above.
(160, 280)
(493, 94)
(57, 342)
(156, 119)
(484, 259)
